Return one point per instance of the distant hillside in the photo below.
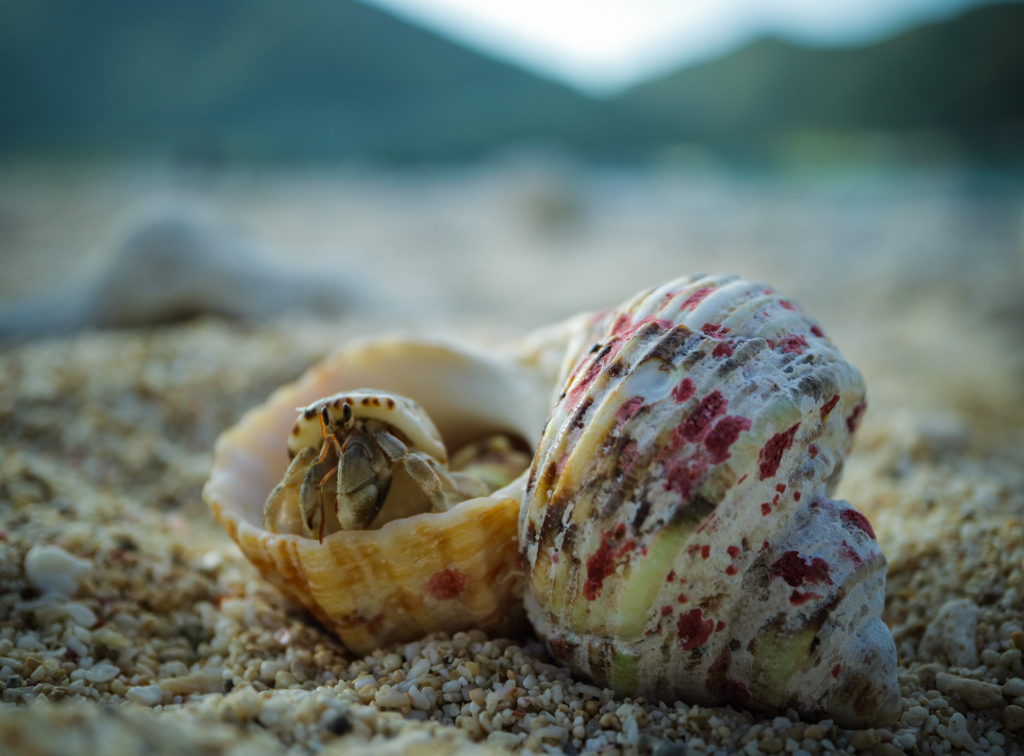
(261, 78)
(964, 76)
(336, 79)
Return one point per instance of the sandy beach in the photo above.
(166, 640)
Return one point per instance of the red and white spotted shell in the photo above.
(678, 536)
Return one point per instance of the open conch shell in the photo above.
(677, 531)
(419, 572)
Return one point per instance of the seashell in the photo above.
(417, 571)
(677, 533)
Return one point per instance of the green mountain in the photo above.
(336, 79)
(964, 77)
(259, 78)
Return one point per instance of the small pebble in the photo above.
(51, 568)
(102, 672)
(975, 693)
(1013, 717)
(83, 615)
(147, 695)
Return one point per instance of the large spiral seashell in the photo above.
(678, 536)
(415, 571)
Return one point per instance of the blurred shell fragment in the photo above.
(678, 537)
(414, 571)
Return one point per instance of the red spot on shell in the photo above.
(714, 330)
(813, 450)
(666, 610)
(798, 599)
(601, 563)
(816, 330)
(780, 487)
(796, 496)
(771, 344)
(787, 305)
(852, 517)
(555, 556)
(741, 479)
(671, 576)
(835, 671)
(771, 453)
(720, 626)
(855, 417)
(731, 570)
(682, 598)
(723, 436)
(763, 546)
(699, 421)
(445, 585)
(684, 391)
(766, 509)
(852, 554)
(733, 551)
(796, 571)
(705, 551)
(693, 630)
(736, 692)
(695, 299)
(722, 351)
(629, 409)
(829, 406)
(793, 344)
(682, 474)
(558, 648)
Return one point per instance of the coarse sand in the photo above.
(129, 623)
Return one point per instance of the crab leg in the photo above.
(323, 514)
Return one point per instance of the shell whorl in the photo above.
(676, 528)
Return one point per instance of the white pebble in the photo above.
(952, 634)
(419, 698)
(389, 698)
(51, 568)
(632, 731)
(361, 682)
(958, 734)
(81, 614)
(147, 695)
(102, 672)
(268, 670)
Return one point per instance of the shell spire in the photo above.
(676, 528)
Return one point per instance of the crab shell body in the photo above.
(678, 537)
(369, 404)
(385, 430)
(415, 572)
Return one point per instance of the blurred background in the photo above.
(444, 163)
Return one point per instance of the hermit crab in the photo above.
(434, 549)
(357, 437)
(678, 537)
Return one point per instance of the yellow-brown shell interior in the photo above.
(433, 571)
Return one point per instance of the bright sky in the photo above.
(604, 45)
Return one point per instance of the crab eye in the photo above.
(346, 415)
(325, 416)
